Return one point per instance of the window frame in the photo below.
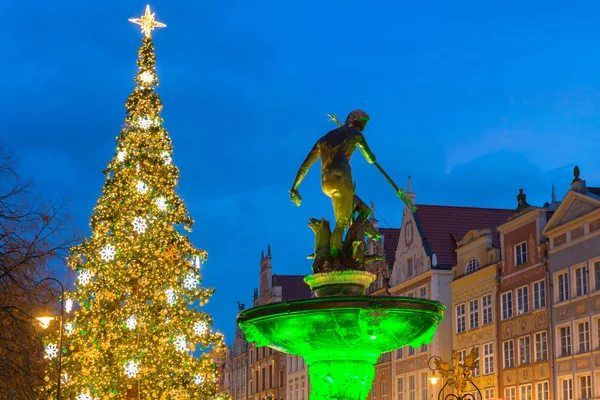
(473, 265)
(522, 300)
(543, 344)
(504, 313)
(459, 316)
(545, 392)
(582, 284)
(576, 324)
(485, 308)
(540, 297)
(511, 353)
(474, 314)
(565, 295)
(522, 246)
(488, 358)
(526, 347)
(559, 344)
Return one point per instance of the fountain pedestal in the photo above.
(341, 337)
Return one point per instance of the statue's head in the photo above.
(358, 119)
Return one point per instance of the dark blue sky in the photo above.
(472, 100)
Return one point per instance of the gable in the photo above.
(575, 205)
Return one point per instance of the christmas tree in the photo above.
(138, 289)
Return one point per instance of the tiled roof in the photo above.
(391, 236)
(293, 287)
(442, 226)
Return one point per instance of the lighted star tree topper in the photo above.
(137, 321)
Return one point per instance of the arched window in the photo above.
(472, 265)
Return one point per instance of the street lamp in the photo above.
(45, 320)
(456, 374)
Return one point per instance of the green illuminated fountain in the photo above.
(341, 333)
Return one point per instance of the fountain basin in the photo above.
(341, 338)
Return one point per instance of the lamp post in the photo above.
(45, 322)
(456, 374)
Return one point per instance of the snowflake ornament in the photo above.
(144, 122)
(197, 263)
(161, 203)
(69, 328)
(139, 225)
(146, 77)
(131, 369)
(200, 328)
(190, 281)
(68, 305)
(170, 296)
(84, 277)
(141, 187)
(84, 396)
(180, 344)
(108, 252)
(51, 351)
(121, 155)
(131, 322)
(198, 379)
(166, 157)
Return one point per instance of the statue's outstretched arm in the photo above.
(311, 158)
(362, 145)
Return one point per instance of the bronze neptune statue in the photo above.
(332, 251)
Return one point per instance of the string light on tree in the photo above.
(121, 155)
(180, 344)
(68, 305)
(146, 77)
(84, 277)
(108, 252)
(84, 396)
(131, 369)
(51, 351)
(131, 322)
(171, 297)
(69, 328)
(166, 157)
(142, 187)
(144, 122)
(161, 203)
(190, 281)
(200, 328)
(139, 225)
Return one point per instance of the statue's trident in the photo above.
(399, 192)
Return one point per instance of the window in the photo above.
(472, 265)
(510, 393)
(524, 350)
(296, 391)
(399, 353)
(526, 392)
(281, 381)
(563, 287)
(412, 388)
(541, 346)
(522, 300)
(423, 348)
(423, 292)
(488, 394)
(597, 274)
(486, 304)
(460, 318)
(521, 253)
(488, 358)
(474, 314)
(566, 388)
(598, 334)
(509, 354)
(400, 387)
(543, 391)
(411, 351)
(302, 390)
(539, 295)
(383, 390)
(409, 267)
(476, 370)
(424, 382)
(564, 333)
(506, 305)
(581, 281)
(585, 387)
(583, 336)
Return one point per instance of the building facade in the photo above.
(262, 373)
(422, 268)
(474, 304)
(524, 333)
(574, 262)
